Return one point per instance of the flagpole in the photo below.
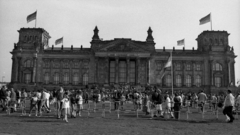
(211, 20)
(36, 20)
(172, 72)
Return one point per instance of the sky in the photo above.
(170, 20)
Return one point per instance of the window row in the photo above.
(65, 64)
(179, 82)
(66, 78)
(179, 66)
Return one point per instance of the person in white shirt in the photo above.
(65, 106)
(202, 98)
(228, 106)
(79, 98)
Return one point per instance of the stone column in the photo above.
(229, 72)
(19, 69)
(193, 73)
(183, 73)
(137, 71)
(70, 72)
(233, 73)
(116, 72)
(61, 74)
(14, 70)
(50, 74)
(34, 69)
(148, 67)
(96, 74)
(128, 71)
(107, 71)
(211, 72)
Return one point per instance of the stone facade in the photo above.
(122, 61)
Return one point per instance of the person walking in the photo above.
(228, 106)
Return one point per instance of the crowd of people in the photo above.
(151, 101)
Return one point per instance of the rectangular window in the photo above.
(188, 67)
(178, 67)
(27, 78)
(198, 67)
(132, 72)
(122, 72)
(112, 71)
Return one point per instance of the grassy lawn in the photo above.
(128, 124)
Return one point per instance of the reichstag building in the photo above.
(122, 61)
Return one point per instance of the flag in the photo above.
(205, 19)
(168, 64)
(181, 42)
(31, 17)
(59, 41)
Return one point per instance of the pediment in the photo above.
(123, 46)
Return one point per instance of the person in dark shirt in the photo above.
(157, 100)
(59, 96)
(3, 98)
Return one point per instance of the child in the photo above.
(79, 98)
(65, 105)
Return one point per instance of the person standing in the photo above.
(202, 98)
(228, 106)
(65, 106)
(59, 96)
(177, 105)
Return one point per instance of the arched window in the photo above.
(188, 81)
(217, 67)
(75, 79)
(218, 81)
(178, 81)
(28, 63)
(46, 78)
(158, 79)
(66, 78)
(198, 81)
(27, 78)
(85, 79)
(168, 80)
(56, 78)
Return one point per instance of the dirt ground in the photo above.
(127, 124)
